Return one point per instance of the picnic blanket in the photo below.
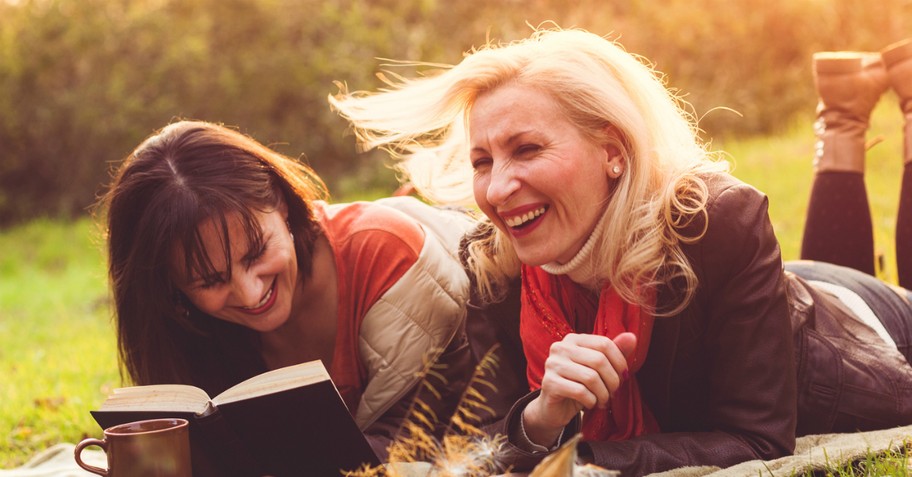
(59, 461)
(811, 453)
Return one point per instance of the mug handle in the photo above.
(78, 452)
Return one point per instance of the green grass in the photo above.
(57, 347)
(895, 463)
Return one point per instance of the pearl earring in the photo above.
(288, 225)
(616, 170)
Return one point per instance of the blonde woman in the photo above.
(653, 295)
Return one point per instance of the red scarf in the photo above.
(552, 307)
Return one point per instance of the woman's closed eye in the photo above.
(255, 254)
(481, 162)
(210, 282)
(527, 149)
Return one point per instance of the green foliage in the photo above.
(82, 82)
(85, 81)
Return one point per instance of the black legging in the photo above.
(838, 228)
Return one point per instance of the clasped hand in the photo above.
(582, 372)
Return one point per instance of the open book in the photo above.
(289, 421)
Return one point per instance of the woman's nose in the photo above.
(503, 183)
(247, 287)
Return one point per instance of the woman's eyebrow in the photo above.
(510, 140)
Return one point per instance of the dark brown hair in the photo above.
(187, 173)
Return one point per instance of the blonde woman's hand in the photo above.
(582, 371)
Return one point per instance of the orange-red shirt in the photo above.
(373, 247)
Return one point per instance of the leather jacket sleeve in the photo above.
(720, 375)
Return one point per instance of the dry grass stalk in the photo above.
(464, 451)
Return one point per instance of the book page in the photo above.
(289, 377)
(160, 397)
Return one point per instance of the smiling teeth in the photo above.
(262, 302)
(522, 219)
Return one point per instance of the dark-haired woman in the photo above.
(225, 262)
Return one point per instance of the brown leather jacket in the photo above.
(720, 376)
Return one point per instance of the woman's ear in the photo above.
(181, 304)
(615, 158)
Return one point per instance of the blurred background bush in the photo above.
(84, 81)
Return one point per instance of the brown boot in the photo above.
(898, 60)
(848, 85)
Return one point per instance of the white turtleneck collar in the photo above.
(581, 268)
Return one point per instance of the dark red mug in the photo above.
(151, 448)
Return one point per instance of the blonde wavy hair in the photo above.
(598, 85)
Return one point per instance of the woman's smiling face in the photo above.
(263, 278)
(537, 176)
